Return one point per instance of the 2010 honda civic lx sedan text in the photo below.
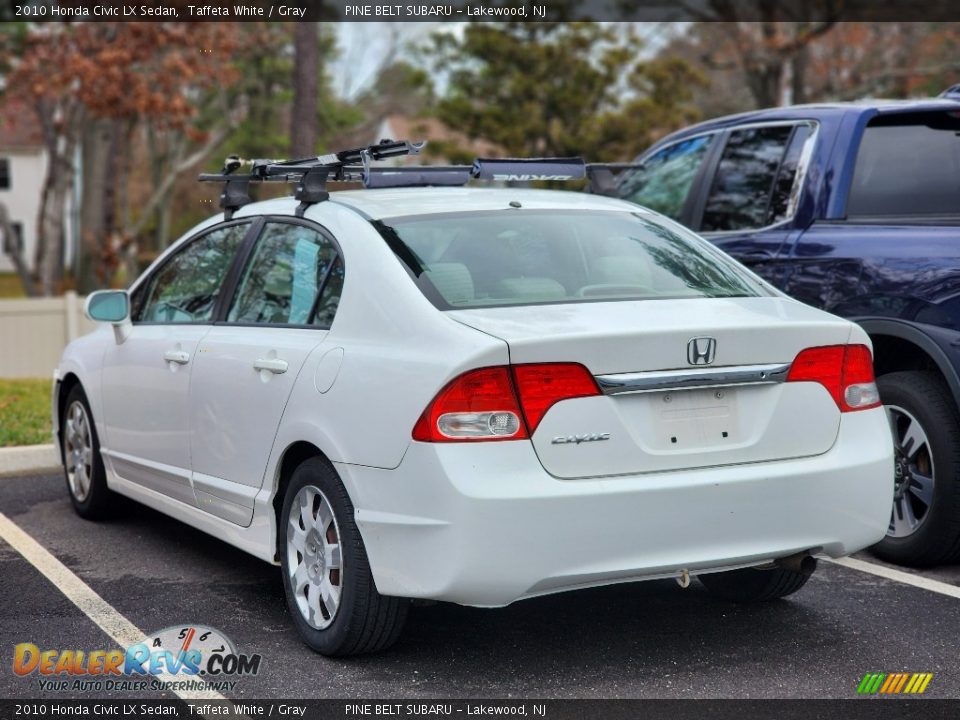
(475, 395)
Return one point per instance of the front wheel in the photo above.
(925, 519)
(329, 588)
(82, 464)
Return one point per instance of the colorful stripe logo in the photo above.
(894, 683)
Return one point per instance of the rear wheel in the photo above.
(755, 584)
(82, 464)
(925, 520)
(330, 590)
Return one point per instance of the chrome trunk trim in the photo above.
(687, 379)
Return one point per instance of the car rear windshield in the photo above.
(528, 257)
(908, 166)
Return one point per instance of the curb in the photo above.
(28, 460)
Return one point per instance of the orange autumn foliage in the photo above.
(127, 70)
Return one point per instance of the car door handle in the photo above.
(274, 365)
(180, 357)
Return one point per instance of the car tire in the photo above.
(922, 398)
(751, 585)
(82, 463)
(330, 592)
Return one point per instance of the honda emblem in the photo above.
(701, 350)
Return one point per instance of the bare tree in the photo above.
(59, 120)
(306, 87)
(768, 50)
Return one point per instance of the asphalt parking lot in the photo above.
(645, 640)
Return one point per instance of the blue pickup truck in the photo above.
(854, 208)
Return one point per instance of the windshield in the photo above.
(527, 257)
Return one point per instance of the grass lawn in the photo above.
(24, 412)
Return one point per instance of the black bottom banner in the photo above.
(865, 709)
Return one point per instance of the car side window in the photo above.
(907, 165)
(186, 287)
(666, 178)
(743, 186)
(287, 278)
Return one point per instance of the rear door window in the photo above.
(745, 184)
(908, 165)
(664, 182)
(285, 280)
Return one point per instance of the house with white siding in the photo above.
(23, 167)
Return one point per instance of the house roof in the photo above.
(19, 129)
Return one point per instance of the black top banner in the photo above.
(812, 11)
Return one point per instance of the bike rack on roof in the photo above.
(311, 175)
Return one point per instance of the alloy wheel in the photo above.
(913, 473)
(313, 557)
(78, 450)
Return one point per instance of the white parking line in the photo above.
(899, 576)
(124, 632)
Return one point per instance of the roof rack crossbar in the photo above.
(429, 176)
(602, 177)
(310, 174)
(524, 169)
(354, 165)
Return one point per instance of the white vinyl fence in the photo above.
(34, 331)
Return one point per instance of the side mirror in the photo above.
(112, 306)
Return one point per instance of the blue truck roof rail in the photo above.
(951, 93)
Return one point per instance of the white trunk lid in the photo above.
(673, 429)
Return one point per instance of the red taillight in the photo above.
(478, 405)
(486, 404)
(542, 386)
(846, 371)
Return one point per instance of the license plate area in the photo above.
(692, 420)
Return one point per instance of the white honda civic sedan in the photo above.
(475, 395)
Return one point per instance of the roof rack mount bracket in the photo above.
(312, 188)
(236, 194)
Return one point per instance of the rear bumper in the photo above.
(486, 525)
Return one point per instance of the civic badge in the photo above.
(701, 350)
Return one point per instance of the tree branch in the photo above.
(806, 37)
(159, 192)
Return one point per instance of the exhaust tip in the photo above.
(803, 563)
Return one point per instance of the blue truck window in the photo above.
(740, 196)
(908, 165)
(664, 181)
(786, 188)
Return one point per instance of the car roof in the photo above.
(813, 111)
(378, 204)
